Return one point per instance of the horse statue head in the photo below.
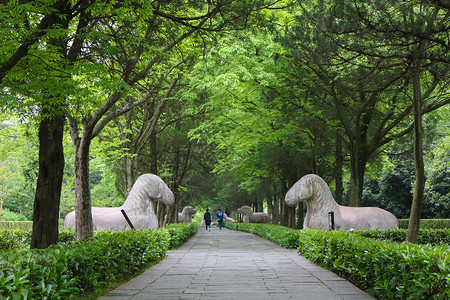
(187, 214)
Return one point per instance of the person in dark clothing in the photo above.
(207, 219)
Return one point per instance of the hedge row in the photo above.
(283, 236)
(179, 233)
(403, 223)
(25, 225)
(427, 223)
(77, 268)
(426, 235)
(288, 238)
(388, 270)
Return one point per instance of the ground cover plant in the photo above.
(72, 268)
(388, 270)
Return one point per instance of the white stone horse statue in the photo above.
(315, 191)
(187, 214)
(253, 217)
(139, 207)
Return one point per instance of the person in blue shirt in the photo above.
(220, 216)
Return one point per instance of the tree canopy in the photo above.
(230, 102)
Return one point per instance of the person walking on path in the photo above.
(220, 216)
(207, 219)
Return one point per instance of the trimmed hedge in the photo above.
(179, 233)
(388, 270)
(427, 223)
(77, 268)
(426, 236)
(18, 238)
(25, 225)
(283, 236)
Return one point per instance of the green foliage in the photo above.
(392, 191)
(113, 255)
(77, 268)
(180, 233)
(426, 236)
(389, 270)
(14, 238)
(437, 188)
(25, 225)
(283, 236)
(8, 215)
(427, 223)
(18, 168)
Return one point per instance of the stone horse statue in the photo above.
(186, 215)
(253, 217)
(315, 191)
(139, 207)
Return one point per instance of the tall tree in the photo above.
(411, 36)
(46, 39)
(136, 39)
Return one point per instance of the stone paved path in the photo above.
(226, 264)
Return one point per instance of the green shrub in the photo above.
(66, 235)
(180, 233)
(283, 236)
(427, 223)
(77, 268)
(25, 225)
(14, 238)
(426, 236)
(19, 238)
(390, 270)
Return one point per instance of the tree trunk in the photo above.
(2, 200)
(153, 154)
(291, 218)
(358, 167)
(300, 216)
(130, 172)
(416, 208)
(284, 215)
(161, 213)
(49, 181)
(170, 214)
(270, 208)
(83, 213)
(276, 208)
(259, 204)
(339, 165)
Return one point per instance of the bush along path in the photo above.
(387, 270)
(77, 268)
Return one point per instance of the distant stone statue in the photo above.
(253, 217)
(186, 215)
(139, 207)
(227, 218)
(315, 191)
